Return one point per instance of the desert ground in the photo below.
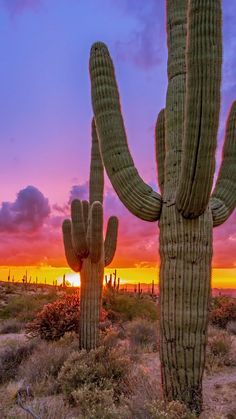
(43, 374)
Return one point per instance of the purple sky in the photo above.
(46, 111)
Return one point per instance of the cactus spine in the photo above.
(186, 134)
(85, 249)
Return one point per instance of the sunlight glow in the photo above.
(72, 278)
(221, 278)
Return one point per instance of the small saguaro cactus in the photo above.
(85, 249)
(186, 133)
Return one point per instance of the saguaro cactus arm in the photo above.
(202, 106)
(96, 232)
(160, 148)
(96, 179)
(85, 208)
(110, 240)
(72, 259)
(78, 229)
(223, 199)
(85, 248)
(186, 171)
(176, 11)
(136, 195)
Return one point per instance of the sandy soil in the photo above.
(219, 389)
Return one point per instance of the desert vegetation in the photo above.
(43, 368)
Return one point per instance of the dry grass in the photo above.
(41, 369)
(23, 307)
(143, 335)
(8, 398)
(11, 326)
(173, 410)
(231, 327)
(218, 354)
(52, 407)
(11, 356)
(121, 381)
(130, 307)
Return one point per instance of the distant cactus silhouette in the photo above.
(85, 249)
(186, 133)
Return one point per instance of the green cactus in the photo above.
(85, 249)
(186, 133)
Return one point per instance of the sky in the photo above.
(45, 117)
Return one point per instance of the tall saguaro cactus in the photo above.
(85, 249)
(186, 133)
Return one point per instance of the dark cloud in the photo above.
(79, 192)
(42, 236)
(16, 7)
(146, 45)
(60, 209)
(26, 214)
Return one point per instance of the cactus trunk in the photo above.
(186, 134)
(85, 249)
(185, 274)
(91, 279)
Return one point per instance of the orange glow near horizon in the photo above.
(221, 278)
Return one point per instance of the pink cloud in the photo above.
(137, 239)
(38, 237)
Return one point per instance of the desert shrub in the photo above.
(223, 310)
(98, 403)
(8, 392)
(11, 326)
(57, 318)
(105, 367)
(218, 351)
(110, 337)
(143, 334)
(173, 410)
(131, 307)
(91, 398)
(220, 344)
(11, 357)
(25, 306)
(231, 327)
(41, 368)
(113, 316)
(50, 408)
(145, 388)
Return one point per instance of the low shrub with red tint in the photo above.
(55, 319)
(223, 311)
